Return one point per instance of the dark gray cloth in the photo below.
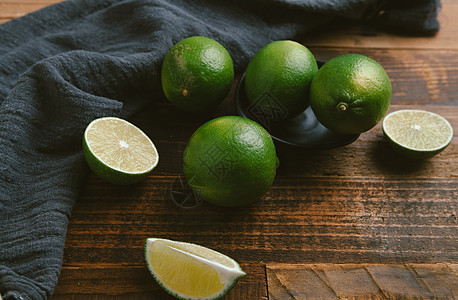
(67, 64)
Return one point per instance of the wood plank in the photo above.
(124, 281)
(418, 76)
(360, 203)
(337, 34)
(323, 219)
(323, 207)
(163, 124)
(10, 9)
(362, 281)
(351, 34)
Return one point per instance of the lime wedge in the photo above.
(118, 151)
(417, 134)
(190, 271)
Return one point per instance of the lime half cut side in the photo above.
(190, 271)
(417, 134)
(118, 151)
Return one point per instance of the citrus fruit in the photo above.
(118, 151)
(197, 74)
(281, 72)
(190, 271)
(417, 133)
(350, 93)
(230, 161)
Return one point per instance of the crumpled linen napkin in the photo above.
(69, 63)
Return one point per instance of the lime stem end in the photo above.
(342, 106)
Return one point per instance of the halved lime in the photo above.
(417, 133)
(190, 271)
(118, 151)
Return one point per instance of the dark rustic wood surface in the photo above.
(360, 204)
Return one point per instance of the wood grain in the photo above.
(349, 34)
(112, 281)
(418, 76)
(362, 281)
(360, 211)
(323, 207)
(337, 34)
(10, 9)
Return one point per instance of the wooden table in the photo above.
(356, 220)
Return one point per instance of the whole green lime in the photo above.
(279, 76)
(197, 74)
(230, 161)
(350, 93)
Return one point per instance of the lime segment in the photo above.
(118, 151)
(190, 271)
(417, 133)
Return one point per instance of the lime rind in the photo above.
(277, 81)
(197, 74)
(231, 275)
(230, 161)
(138, 130)
(417, 134)
(350, 94)
(110, 173)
